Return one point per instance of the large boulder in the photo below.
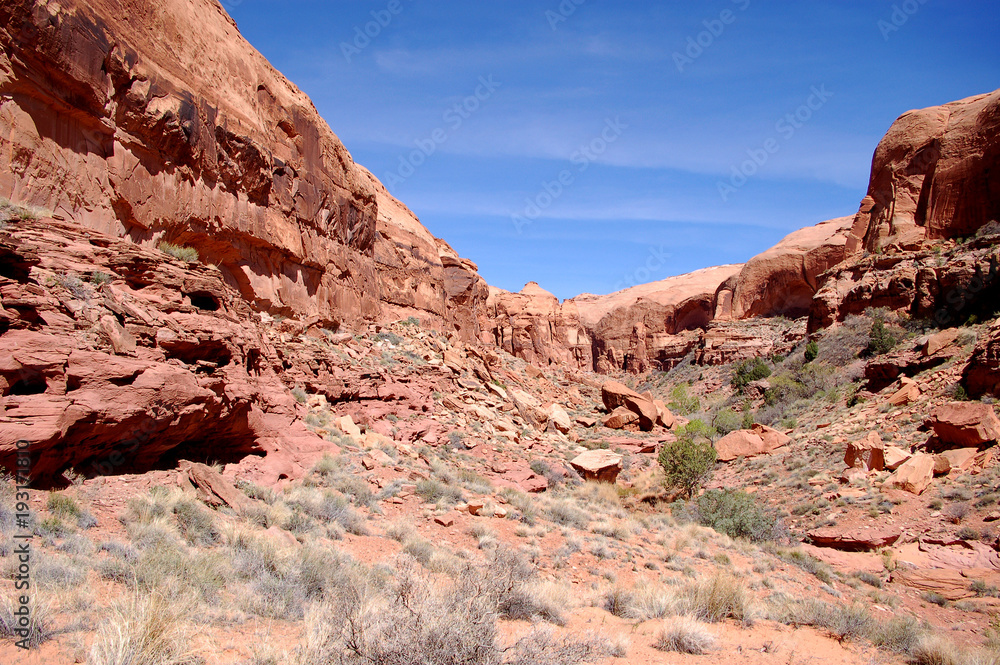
(913, 475)
(772, 438)
(854, 538)
(908, 393)
(982, 374)
(867, 454)
(894, 457)
(599, 465)
(664, 418)
(965, 424)
(620, 418)
(559, 420)
(758, 440)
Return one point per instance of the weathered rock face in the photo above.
(930, 176)
(783, 279)
(982, 375)
(115, 358)
(931, 180)
(654, 325)
(533, 325)
(112, 116)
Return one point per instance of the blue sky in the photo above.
(590, 145)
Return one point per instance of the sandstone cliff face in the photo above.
(653, 326)
(783, 279)
(534, 326)
(933, 179)
(116, 359)
(158, 121)
(932, 176)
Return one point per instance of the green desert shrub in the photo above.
(736, 514)
(748, 371)
(687, 463)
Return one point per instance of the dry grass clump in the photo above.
(714, 599)
(719, 597)
(684, 635)
(188, 254)
(411, 618)
(849, 622)
(10, 211)
(143, 629)
(566, 513)
(39, 627)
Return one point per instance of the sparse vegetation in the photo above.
(188, 254)
(687, 463)
(734, 513)
(748, 371)
(684, 635)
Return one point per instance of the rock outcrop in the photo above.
(965, 424)
(111, 115)
(982, 374)
(115, 358)
(930, 182)
(783, 279)
(654, 325)
(749, 442)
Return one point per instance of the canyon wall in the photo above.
(157, 121)
(935, 183)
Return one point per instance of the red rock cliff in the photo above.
(158, 121)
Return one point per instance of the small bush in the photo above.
(748, 371)
(684, 635)
(880, 340)
(728, 420)
(687, 463)
(934, 598)
(566, 514)
(433, 491)
(682, 402)
(63, 506)
(188, 254)
(736, 514)
(812, 351)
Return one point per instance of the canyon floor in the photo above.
(442, 517)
